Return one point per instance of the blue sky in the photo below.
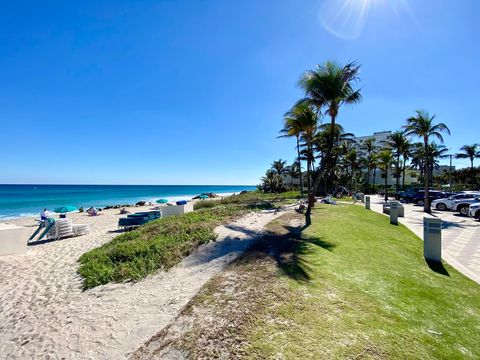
(193, 92)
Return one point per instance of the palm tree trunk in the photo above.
(386, 184)
(472, 174)
(300, 167)
(426, 203)
(397, 173)
(374, 177)
(403, 175)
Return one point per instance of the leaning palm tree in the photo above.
(422, 125)
(398, 142)
(470, 152)
(385, 159)
(329, 86)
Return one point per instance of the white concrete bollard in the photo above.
(432, 239)
(367, 202)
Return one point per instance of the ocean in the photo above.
(30, 200)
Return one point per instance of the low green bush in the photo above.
(157, 245)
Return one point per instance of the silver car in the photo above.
(462, 205)
(447, 203)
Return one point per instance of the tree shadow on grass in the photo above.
(289, 249)
(437, 267)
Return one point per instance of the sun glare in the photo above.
(347, 18)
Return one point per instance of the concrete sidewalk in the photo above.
(460, 236)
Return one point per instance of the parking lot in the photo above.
(460, 236)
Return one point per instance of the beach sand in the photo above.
(45, 314)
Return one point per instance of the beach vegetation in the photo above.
(163, 243)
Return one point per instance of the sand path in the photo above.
(45, 314)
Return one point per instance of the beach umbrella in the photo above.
(203, 197)
(162, 201)
(65, 209)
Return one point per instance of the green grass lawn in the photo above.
(360, 288)
(350, 286)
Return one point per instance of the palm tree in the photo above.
(406, 152)
(272, 181)
(369, 146)
(398, 142)
(294, 172)
(422, 125)
(434, 153)
(331, 86)
(351, 158)
(279, 167)
(293, 127)
(470, 152)
(385, 160)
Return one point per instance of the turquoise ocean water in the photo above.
(29, 200)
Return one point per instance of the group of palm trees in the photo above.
(330, 153)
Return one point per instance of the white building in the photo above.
(380, 138)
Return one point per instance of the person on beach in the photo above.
(44, 215)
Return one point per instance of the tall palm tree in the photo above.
(422, 125)
(397, 141)
(385, 159)
(293, 126)
(329, 86)
(406, 152)
(351, 159)
(307, 119)
(369, 146)
(470, 152)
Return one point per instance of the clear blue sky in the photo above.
(193, 92)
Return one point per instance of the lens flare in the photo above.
(346, 19)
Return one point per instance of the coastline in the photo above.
(112, 203)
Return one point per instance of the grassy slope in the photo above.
(349, 286)
(365, 290)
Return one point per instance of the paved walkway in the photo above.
(460, 236)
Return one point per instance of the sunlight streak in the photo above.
(346, 19)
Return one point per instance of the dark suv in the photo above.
(419, 197)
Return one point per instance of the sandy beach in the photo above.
(45, 314)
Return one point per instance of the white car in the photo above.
(462, 205)
(474, 211)
(447, 203)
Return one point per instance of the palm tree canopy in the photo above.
(398, 142)
(422, 125)
(279, 167)
(385, 159)
(469, 152)
(331, 85)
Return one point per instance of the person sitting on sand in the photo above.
(44, 215)
(124, 211)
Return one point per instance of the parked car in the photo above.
(408, 195)
(462, 205)
(474, 211)
(419, 197)
(447, 203)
